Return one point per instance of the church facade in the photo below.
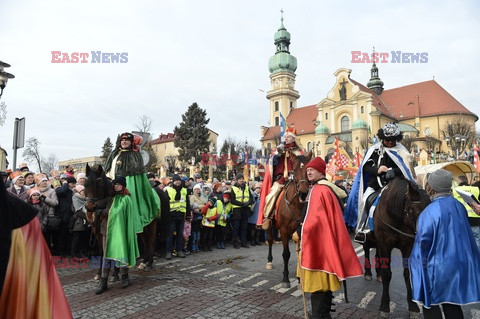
(429, 117)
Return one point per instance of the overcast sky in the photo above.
(214, 53)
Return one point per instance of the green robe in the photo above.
(121, 233)
(145, 201)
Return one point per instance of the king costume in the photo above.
(445, 261)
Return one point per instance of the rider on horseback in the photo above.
(383, 162)
(282, 168)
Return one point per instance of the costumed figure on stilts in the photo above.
(279, 169)
(382, 162)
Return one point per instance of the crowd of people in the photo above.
(203, 215)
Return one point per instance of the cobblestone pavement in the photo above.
(230, 283)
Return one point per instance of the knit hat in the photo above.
(197, 186)
(81, 175)
(33, 191)
(239, 175)
(63, 176)
(390, 131)
(197, 175)
(15, 176)
(40, 178)
(79, 188)
(319, 164)
(120, 180)
(227, 194)
(71, 180)
(216, 187)
(23, 167)
(212, 200)
(440, 181)
(176, 177)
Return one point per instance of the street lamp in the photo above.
(4, 76)
(456, 143)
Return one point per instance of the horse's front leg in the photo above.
(366, 264)
(270, 255)
(286, 259)
(412, 306)
(383, 261)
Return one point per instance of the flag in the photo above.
(246, 168)
(476, 162)
(358, 159)
(282, 126)
(334, 162)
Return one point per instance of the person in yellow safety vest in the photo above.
(241, 200)
(473, 210)
(224, 208)
(179, 205)
(210, 215)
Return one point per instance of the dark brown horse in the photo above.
(99, 191)
(394, 221)
(289, 209)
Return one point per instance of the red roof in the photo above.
(422, 99)
(300, 118)
(163, 138)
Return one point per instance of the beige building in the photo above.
(3, 160)
(79, 164)
(167, 153)
(354, 112)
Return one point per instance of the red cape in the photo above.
(326, 245)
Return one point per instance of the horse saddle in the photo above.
(371, 200)
(361, 236)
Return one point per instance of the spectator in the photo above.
(65, 212)
(241, 201)
(36, 202)
(444, 261)
(29, 180)
(18, 189)
(79, 221)
(81, 179)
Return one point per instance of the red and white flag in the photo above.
(476, 161)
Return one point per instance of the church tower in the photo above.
(282, 95)
(375, 83)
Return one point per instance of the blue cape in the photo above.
(445, 261)
(360, 183)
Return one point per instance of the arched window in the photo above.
(345, 123)
(362, 109)
(309, 146)
(276, 106)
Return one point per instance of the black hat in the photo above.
(126, 135)
(71, 180)
(176, 177)
(120, 180)
(239, 175)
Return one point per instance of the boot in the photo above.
(102, 286)
(125, 281)
(326, 305)
(316, 300)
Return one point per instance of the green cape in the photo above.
(121, 233)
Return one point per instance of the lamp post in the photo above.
(456, 143)
(4, 76)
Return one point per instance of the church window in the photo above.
(345, 123)
(326, 116)
(291, 105)
(276, 121)
(362, 109)
(309, 146)
(276, 106)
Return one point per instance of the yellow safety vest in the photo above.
(210, 212)
(474, 191)
(177, 205)
(241, 197)
(223, 212)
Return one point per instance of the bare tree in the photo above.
(31, 152)
(50, 163)
(145, 128)
(145, 124)
(408, 143)
(461, 133)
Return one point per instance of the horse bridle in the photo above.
(297, 191)
(407, 207)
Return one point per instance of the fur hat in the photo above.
(440, 181)
(81, 175)
(390, 131)
(319, 164)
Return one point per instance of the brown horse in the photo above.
(394, 221)
(289, 210)
(99, 191)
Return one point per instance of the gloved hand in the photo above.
(209, 219)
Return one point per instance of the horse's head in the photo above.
(300, 173)
(97, 187)
(416, 199)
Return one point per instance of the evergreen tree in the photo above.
(191, 136)
(106, 149)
